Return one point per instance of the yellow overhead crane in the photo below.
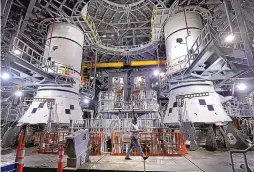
(121, 64)
(148, 63)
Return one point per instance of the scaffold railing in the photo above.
(239, 110)
(24, 52)
(182, 63)
(152, 143)
(142, 100)
(114, 125)
(161, 15)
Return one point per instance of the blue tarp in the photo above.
(9, 167)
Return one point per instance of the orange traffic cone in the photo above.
(21, 158)
(184, 149)
(60, 160)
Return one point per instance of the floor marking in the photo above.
(97, 161)
(194, 164)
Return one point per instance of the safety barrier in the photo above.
(49, 142)
(152, 143)
(96, 143)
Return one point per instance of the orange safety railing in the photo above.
(49, 142)
(96, 143)
(152, 143)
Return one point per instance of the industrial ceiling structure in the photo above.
(185, 64)
(120, 31)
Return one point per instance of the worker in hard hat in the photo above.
(134, 141)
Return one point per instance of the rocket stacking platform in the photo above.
(193, 105)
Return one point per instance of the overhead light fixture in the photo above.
(112, 35)
(156, 72)
(86, 100)
(104, 36)
(139, 79)
(17, 52)
(5, 76)
(18, 93)
(241, 86)
(230, 37)
(162, 73)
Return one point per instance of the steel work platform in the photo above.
(195, 161)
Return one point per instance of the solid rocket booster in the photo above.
(199, 101)
(175, 28)
(65, 52)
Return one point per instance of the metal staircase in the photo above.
(206, 45)
(247, 166)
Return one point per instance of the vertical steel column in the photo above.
(242, 27)
(228, 17)
(3, 5)
(133, 39)
(19, 25)
(94, 77)
(6, 12)
(28, 14)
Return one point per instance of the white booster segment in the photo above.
(175, 28)
(198, 103)
(66, 54)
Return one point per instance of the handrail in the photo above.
(23, 51)
(113, 125)
(244, 155)
(145, 100)
(203, 39)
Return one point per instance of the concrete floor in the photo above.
(195, 161)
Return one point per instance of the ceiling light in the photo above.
(112, 35)
(103, 36)
(156, 72)
(86, 100)
(18, 93)
(139, 79)
(17, 52)
(230, 37)
(241, 86)
(5, 76)
(162, 73)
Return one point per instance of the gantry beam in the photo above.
(141, 63)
